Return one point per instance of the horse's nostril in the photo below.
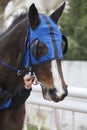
(53, 95)
(56, 97)
(66, 93)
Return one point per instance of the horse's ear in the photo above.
(33, 17)
(57, 13)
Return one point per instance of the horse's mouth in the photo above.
(53, 94)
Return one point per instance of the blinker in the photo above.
(34, 48)
(38, 49)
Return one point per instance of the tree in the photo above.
(74, 23)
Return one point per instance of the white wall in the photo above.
(75, 73)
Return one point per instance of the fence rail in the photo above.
(75, 102)
(75, 92)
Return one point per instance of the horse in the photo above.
(23, 48)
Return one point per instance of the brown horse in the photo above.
(49, 72)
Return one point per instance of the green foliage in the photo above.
(74, 25)
(33, 127)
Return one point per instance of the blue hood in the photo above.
(50, 35)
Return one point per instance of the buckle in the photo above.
(19, 72)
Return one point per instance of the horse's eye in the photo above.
(38, 49)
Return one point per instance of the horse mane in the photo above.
(17, 19)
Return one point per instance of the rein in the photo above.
(18, 71)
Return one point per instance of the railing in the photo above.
(75, 102)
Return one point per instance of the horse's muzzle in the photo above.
(52, 94)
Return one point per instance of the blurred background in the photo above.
(73, 24)
(73, 21)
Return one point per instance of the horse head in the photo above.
(46, 48)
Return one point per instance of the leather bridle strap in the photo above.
(18, 71)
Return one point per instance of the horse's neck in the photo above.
(12, 44)
(11, 52)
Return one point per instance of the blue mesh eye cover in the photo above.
(50, 35)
